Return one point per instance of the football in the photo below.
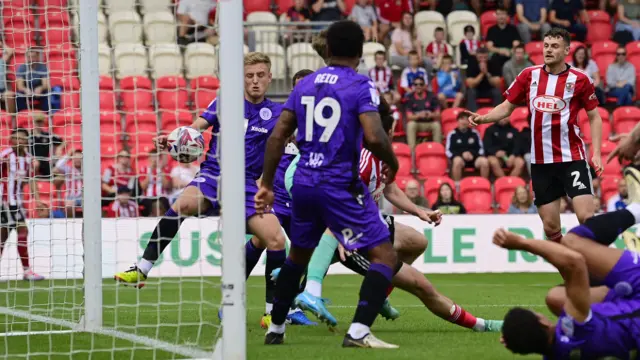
(185, 144)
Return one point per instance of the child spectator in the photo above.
(522, 203)
(464, 149)
(412, 72)
(469, 45)
(500, 144)
(365, 15)
(381, 74)
(437, 48)
(123, 206)
(446, 203)
(117, 175)
(449, 83)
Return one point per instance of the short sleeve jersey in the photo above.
(327, 106)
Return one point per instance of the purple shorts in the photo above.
(353, 217)
(624, 278)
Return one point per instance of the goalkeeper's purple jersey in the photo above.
(327, 105)
(260, 119)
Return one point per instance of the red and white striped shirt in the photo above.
(113, 176)
(370, 168)
(471, 45)
(382, 77)
(437, 49)
(72, 179)
(15, 170)
(120, 210)
(554, 102)
(155, 175)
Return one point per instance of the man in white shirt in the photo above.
(618, 201)
(193, 17)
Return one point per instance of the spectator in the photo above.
(515, 65)
(619, 200)
(423, 114)
(123, 206)
(32, 82)
(154, 180)
(628, 12)
(42, 144)
(621, 78)
(464, 149)
(403, 41)
(609, 6)
(117, 175)
(522, 202)
(502, 38)
(413, 193)
(582, 61)
(483, 80)
(327, 10)
(45, 211)
(532, 15)
(499, 143)
(523, 146)
(449, 83)
(565, 13)
(437, 48)
(68, 171)
(469, 45)
(381, 74)
(365, 15)
(181, 175)
(446, 203)
(6, 96)
(298, 12)
(412, 72)
(391, 14)
(193, 18)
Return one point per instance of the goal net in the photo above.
(93, 83)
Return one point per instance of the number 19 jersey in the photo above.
(327, 105)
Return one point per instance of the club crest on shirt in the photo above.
(265, 114)
(570, 87)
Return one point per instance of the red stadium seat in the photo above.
(348, 4)
(572, 48)
(138, 118)
(108, 152)
(534, 48)
(107, 83)
(44, 189)
(585, 127)
(613, 168)
(402, 181)
(171, 92)
(520, 118)
(41, 4)
(399, 131)
(173, 119)
(109, 117)
(625, 118)
(256, 5)
(203, 91)
(136, 94)
(450, 116)
(403, 153)
(71, 133)
(54, 36)
(475, 195)
(431, 159)
(609, 187)
(283, 5)
(487, 20)
(605, 47)
(504, 189)
(67, 117)
(24, 119)
(633, 55)
(432, 187)
(141, 131)
(107, 100)
(599, 28)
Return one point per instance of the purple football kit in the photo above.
(327, 191)
(612, 330)
(260, 120)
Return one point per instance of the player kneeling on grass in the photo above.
(595, 323)
(201, 196)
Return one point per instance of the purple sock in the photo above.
(373, 292)
(252, 256)
(275, 260)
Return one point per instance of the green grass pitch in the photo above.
(187, 303)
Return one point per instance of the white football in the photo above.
(185, 144)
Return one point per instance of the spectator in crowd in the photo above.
(582, 61)
(522, 203)
(423, 114)
(391, 14)
(7, 97)
(468, 45)
(154, 180)
(515, 65)
(327, 10)
(193, 18)
(464, 149)
(532, 15)
(381, 74)
(523, 146)
(365, 15)
(32, 82)
(500, 144)
(413, 193)
(621, 78)
(45, 211)
(619, 200)
(449, 83)
(412, 72)
(123, 206)
(628, 13)
(403, 41)
(502, 38)
(609, 6)
(483, 80)
(437, 48)
(565, 13)
(446, 203)
(117, 175)
(68, 171)
(43, 144)
(298, 12)
(181, 175)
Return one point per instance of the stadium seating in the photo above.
(603, 53)
(625, 118)
(171, 93)
(582, 115)
(165, 60)
(432, 187)
(431, 159)
(5, 128)
(102, 27)
(283, 5)
(111, 118)
(159, 28)
(585, 127)
(17, 23)
(71, 133)
(277, 54)
(130, 60)
(457, 20)
(67, 117)
(125, 27)
(572, 48)
(399, 131)
(200, 59)
(302, 56)
(612, 168)
(520, 117)
(203, 91)
(135, 92)
(426, 22)
(599, 28)
(483, 127)
(104, 59)
(173, 119)
(152, 6)
(534, 49)
(368, 53)
(264, 33)
(609, 187)
(487, 20)
(111, 6)
(475, 195)
(24, 119)
(251, 6)
(449, 119)
(402, 181)
(504, 188)
(403, 153)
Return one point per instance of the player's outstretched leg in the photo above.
(190, 203)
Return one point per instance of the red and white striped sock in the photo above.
(460, 316)
(555, 237)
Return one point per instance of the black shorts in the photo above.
(11, 216)
(553, 181)
(359, 262)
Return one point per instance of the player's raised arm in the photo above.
(378, 142)
(570, 263)
(275, 146)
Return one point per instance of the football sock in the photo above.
(372, 295)
(162, 235)
(23, 249)
(555, 237)
(460, 316)
(319, 263)
(275, 259)
(286, 289)
(605, 228)
(252, 256)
